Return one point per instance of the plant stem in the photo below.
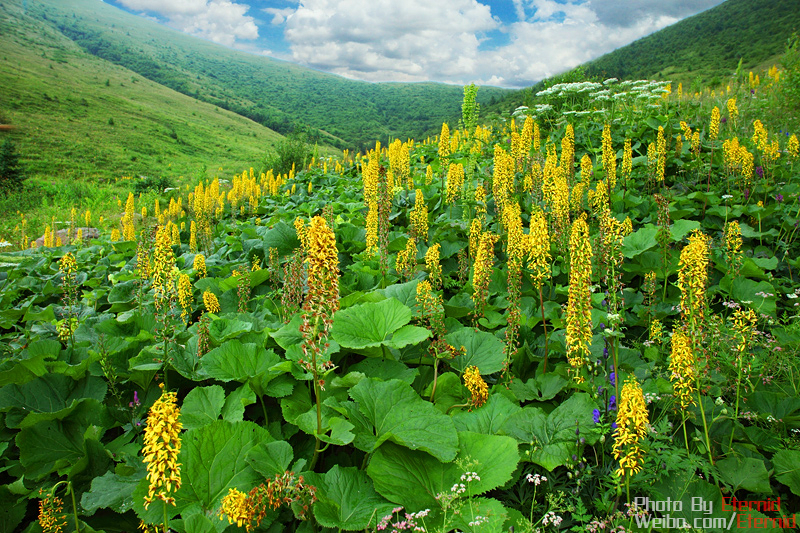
(544, 325)
(166, 518)
(435, 376)
(736, 408)
(74, 506)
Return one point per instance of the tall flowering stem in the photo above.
(249, 509)
(321, 302)
(539, 262)
(692, 280)
(515, 250)
(744, 324)
(632, 421)
(683, 374)
(579, 306)
(482, 272)
(162, 444)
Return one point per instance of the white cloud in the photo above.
(375, 40)
(279, 15)
(221, 21)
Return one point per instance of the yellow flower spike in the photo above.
(632, 422)
(692, 279)
(476, 386)
(237, 508)
(444, 142)
(162, 444)
(682, 368)
(199, 265)
(185, 295)
(211, 302)
(579, 303)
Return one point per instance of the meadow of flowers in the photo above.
(543, 324)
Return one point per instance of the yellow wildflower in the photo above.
(683, 369)
(433, 266)
(162, 444)
(579, 306)
(211, 302)
(476, 386)
(692, 279)
(713, 129)
(199, 265)
(632, 421)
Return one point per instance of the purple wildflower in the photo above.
(612, 378)
(760, 172)
(779, 198)
(612, 403)
(596, 416)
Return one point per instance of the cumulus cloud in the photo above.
(455, 41)
(221, 21)
(632, 12)
(388, 40)
(385, 40)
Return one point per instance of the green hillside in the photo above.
(77, 116)
(280, 95)
(709, 45)
(701, 50)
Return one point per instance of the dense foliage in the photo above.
(531, 325)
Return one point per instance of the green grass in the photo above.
(84, 122)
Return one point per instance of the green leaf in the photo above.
(271, 458)
(214, 460)
(347, 500)
(12, 511)
(413, 478)
(787, 469)
(234, 361)
(746, 290)
(281, 236)
(202, 406)
(373, 324)
(484, 350)
(746, 473)
(400, 415)
(385, 370)
(489, 418)
(681, 228)
(541, 388)
(491, 509)
(50, 397)
(111, 491)
(640, 241)
(233, 410)
(406, 293)
(50, 445)
(223, 329)
(553, 435)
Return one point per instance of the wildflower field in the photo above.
(582, 318)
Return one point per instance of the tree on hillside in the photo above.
(11, 176)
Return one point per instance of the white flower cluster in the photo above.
(478, 521)
(551, 518)
(536, 479)
(458, 488)
(564, 89)
(470, 476)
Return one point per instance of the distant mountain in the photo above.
(708, 45)
(703, 49)
(280, 95)
(73, 115)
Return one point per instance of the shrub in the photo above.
(291, 151)
(147, 183)
(11, 176)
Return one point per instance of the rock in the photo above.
(87, 234)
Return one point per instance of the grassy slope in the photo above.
(62, 99)
(704, 48)
(281, 95)
(708, 45)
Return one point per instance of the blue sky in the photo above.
(508, 43)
